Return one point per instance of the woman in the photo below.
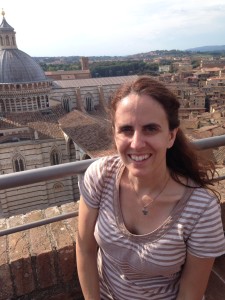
(149, 219)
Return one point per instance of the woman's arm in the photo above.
(86, 252)
(194, 277)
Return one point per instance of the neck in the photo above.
(149, 184)
(147, 192)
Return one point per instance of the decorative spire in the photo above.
(7, 35)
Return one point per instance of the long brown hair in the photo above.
(182, 158)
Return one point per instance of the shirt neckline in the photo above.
(163, 228)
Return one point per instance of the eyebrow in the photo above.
(152, 125)
(156, 125)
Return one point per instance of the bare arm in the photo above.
(86, 251)
(194, 277)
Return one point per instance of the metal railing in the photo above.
(70, 169)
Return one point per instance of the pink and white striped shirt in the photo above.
(148, 266)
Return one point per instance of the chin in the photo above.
(138, 172)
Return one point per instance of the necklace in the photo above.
(151, 200)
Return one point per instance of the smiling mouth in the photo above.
(139, 158)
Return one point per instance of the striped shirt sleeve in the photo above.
(92, 183)
(207, 237)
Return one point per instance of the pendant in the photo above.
(144, 211)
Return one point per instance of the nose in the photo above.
(138, 140)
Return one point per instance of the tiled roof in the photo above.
(45, 123)
(208, 131)
(21, 136)
(217, 154)
(91, 133)
(213, 69)
(208, 128)
(93, 81)
(200, 135)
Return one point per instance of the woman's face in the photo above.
(142, 135)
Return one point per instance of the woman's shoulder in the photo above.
(202, 199)
(103, 164)
(94, 178)
(203, 194)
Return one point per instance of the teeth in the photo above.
(139, 157)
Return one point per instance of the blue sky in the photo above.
(117, 27)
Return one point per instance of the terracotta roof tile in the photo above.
(45, 122)
(91, 133)
(93, 81)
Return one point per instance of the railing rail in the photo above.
(69, 169)
(38, 223)
(43, 174)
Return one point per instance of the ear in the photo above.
(172, 137)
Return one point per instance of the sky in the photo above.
(114, 28)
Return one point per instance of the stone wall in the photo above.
(40, 263)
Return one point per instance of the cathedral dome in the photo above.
(23, 84)
(17, 67)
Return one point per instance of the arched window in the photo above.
(47, 102)
(58, 187)
(54, 157)
(1, 41)
(89, 103)
(7, 40)
(2, 105)
(18, 163)
(72, 151)
(38, 102)
(66, 103)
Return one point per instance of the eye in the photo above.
(151, 128)
(125, 129)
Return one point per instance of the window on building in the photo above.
(89, 103)
(72, 151)
(47, 102)
(18, 164)
(38, 102)
(58, 187)
(66, 103)
(7, 41)
(2, 106)
(55, 158)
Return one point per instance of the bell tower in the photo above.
(7, 35)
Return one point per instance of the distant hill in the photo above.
(208, 49)
(68, 60)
